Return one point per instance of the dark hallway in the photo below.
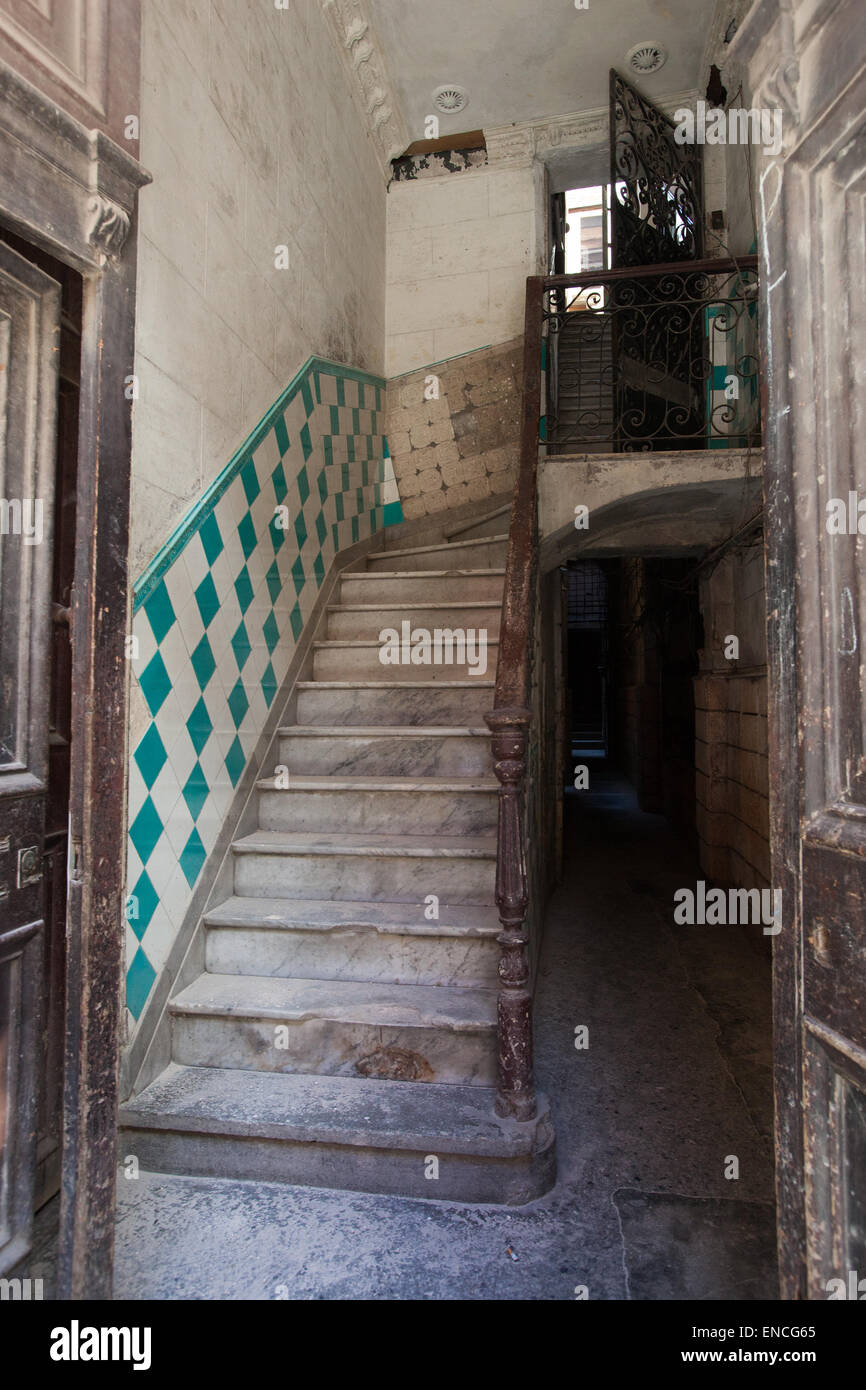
(676, 1077)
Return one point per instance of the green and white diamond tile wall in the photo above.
(217, 615)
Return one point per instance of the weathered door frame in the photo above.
(73, 192)
(808, 59)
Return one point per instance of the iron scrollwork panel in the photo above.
(656, 184)
(658, 362)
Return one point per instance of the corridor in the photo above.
(676, 1076)
(675, 1080)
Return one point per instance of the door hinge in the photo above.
(76, 860)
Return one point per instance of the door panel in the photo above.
(29, 353)
(811, 208)
(832, 716)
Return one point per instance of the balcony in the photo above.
(652, 359)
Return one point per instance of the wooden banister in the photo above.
(510, 722)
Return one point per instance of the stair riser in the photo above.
(370, 878)
(388, 755)
(366, 627)
(411, 813)
(375, 708)
(440, 588)
(397, 1172)
(457, 557)
(331, 1047)
(363, 955)
(364, 664)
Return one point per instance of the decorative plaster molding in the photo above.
(109, 226)
(509, 145)
(98, 180)
(521, 143)
(715, 49)
(367, 72)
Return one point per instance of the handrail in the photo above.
(711, 265)
(509, 723)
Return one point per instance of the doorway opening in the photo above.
(635, 633)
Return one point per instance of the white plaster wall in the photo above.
(460, 247)
(253, 140)
(739, 185)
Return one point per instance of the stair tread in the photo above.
(339, 842)
(335, 783)
(449, 606)
(384, 731)
(311, 914)
(459, 1009)
(396, 685)
(376, 575)
(374, 642)
(429, 549)
(429, 1118)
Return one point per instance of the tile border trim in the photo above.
(201, 510)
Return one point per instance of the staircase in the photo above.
(341, 1034)
(585, 405)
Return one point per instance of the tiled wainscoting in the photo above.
(216, 618)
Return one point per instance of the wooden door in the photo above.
(811, 209)
(29, 354)
(821, 548)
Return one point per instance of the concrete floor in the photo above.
(675, 1080)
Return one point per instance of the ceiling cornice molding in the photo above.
(715, 49)
(369, 81)
(521, 143)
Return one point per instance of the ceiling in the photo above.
(524, 59)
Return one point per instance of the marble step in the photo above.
(340, 661)
(382, 942)
(450, 555)
(376, 703)
(365, 622)
(337, 1028)
(425, 586)
(380, 868)
(339, 1132)
(384, 750)
(413, 805)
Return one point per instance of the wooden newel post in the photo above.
(516, 1094)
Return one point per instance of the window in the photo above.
(587, 237)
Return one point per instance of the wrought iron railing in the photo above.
(653, 358)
